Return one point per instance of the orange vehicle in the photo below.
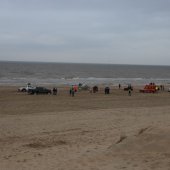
(151, 88)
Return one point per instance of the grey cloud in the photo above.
(77, 28)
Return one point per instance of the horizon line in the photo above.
(59, 62)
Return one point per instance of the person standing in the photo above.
(119, 85)
(54, 91)
(129, 92)
(72, 92)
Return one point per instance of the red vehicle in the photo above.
(151, 88)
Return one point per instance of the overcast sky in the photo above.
(86, 31)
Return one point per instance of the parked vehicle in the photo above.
(83, 86)
(39, 90)
(25, 89)
(150, 88)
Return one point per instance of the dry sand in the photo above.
(85, 132)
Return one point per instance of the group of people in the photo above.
(94, 89)
(162, 87)
(73, 89)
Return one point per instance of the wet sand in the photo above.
(85, 132)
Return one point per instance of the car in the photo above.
(169, 90)
(39, 90)
(25, 89)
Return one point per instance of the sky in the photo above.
(86, 31)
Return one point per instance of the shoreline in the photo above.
(100, 86)
(90, 82)
(86, 81)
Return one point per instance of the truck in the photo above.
(150, 88)
(39, 90)
(26, 88)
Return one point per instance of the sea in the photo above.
(40, 73)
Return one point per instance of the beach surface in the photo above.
(84, 132)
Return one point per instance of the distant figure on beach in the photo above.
(119, 86)
(75, 88)
(162, 87)
(95, 89)
(107, 90)
(54, 91)
(129, 91)
(72, 92)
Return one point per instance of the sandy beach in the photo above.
(85, 132)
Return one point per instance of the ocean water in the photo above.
(20, 73)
